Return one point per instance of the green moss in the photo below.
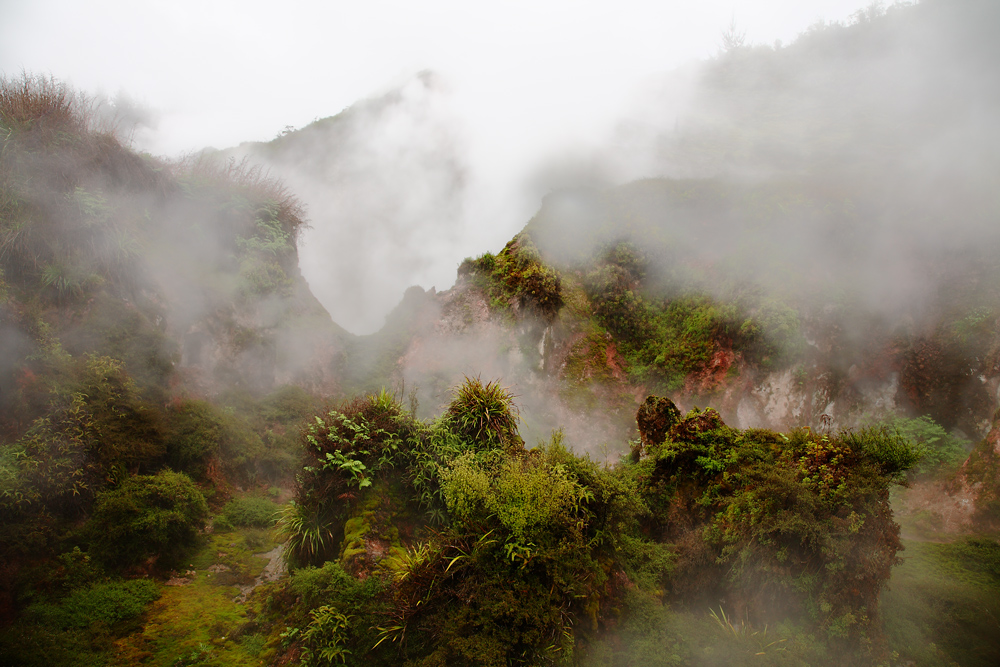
(943, 602)
(355, 530)
(200, 622)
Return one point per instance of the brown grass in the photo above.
(33, 99)
(41, 103)
(41, 115)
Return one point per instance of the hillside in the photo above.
(133, 291)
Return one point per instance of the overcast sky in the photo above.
(522, 80)
(220, 71)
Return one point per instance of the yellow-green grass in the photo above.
(943, 603)
(200, 623)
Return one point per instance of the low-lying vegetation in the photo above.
(451, 542)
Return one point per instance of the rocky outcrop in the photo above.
(655, 418)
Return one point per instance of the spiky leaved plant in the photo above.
(484, 414)
(308, 531)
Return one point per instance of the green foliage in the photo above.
(772, 334)
(129, 430)
(276, 420)
(250, 511)
(890, 450)
(202, 436)
(49, 466)
(483, 415)
(531, 537)
(687, 332)
(311, 607)
(309, 530)
(269, 235)
(68, 280)
(260, 277)
(978, 324)
(331, 583)
(325, 637)
(528, 500)
(77, 569)
(97, 429)
(148, 516)
(617, 305)
(517, 275)
(539, 552)
(193, 436)
(939, 451)
(109, 603)
(116, 328)
(346, 451)
(787, 524)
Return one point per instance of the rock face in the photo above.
(655, 418)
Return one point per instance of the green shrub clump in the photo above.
(795, 525)
(485, 552)
(249, 512)
(148, 517)
(109, 603)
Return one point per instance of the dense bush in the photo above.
(524, 559)
(205, 441)
(248, 511)
(345, 450)
(781, 525)
(618, 305)
(108, 603)
(527, 535)
(939, 450)
(536, 554)
(483, 414)
(97, 429)
(147, 517)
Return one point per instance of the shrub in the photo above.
(346, 450)
(529, 501)
(688, 332)
(130, 430)
(200, 433)
(147, 517)
(781, 525)
(617, 305)
(890, 450)
(250, 512)
(325, 638)
(96, 430)
(110, 603)
(39, 100)
(483, 415)
(770, 333)
(310, 528)
(525, 558)
(938, 449)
